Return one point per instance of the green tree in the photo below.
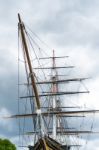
(5, 144)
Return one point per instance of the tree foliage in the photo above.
(5, 144)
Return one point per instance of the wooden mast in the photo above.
(29, 62)
(34, 87)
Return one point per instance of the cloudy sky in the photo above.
(68, 26)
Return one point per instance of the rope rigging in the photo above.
(40, 122)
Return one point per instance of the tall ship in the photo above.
(50, 116)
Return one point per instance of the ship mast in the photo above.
(33, 83)
(54, 90)
(29, 62)
(56, 102)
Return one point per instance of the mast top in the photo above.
(19, 17)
